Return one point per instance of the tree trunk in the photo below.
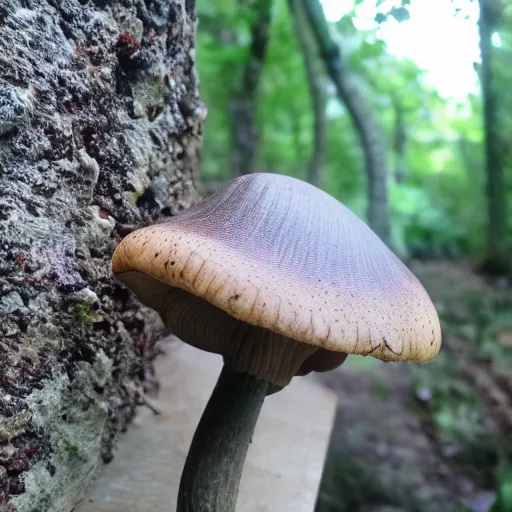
(245, 135)
(100, 122)
(497, 257)
(400, 144)
(366, 124)
(317, 94)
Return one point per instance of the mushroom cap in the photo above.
(277, 253)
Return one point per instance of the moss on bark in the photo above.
(100, 124)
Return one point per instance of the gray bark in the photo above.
(365, 122)
(498, 252)
(400, 144)
(245, 134)
(100, 123)
(317, 94)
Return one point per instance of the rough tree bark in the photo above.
(244, 132)
(366, 124)
(316, 89)
(497, 254)
(99, 128)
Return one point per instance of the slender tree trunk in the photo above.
(400, 145)
(99, 128)
(497, 257)
(245, 135)
(316, 89)
(366, 123)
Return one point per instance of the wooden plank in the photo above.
(284, 463)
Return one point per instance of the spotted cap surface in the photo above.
(278, 253)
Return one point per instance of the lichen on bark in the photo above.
(100, 123)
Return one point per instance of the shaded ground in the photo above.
(427, 438)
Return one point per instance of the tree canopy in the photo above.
(435, 152)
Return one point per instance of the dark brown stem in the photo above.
(214, 464)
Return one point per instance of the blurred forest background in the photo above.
(402, 110)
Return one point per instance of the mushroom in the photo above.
(280, 279)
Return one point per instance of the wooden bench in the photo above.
(285, 460)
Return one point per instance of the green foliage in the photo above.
(456, 409)
(399, 13)
(459, 409)
(83, 314)
(424, 228)
(440, 210)
(350, 484)
(504, 490)
(489, 319)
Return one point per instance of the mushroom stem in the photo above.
(216, 457)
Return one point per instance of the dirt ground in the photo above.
(386, 454)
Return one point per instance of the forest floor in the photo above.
(429, 438)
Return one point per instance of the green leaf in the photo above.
(380, 17)
(400, 14)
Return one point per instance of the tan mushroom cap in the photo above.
(278, 253)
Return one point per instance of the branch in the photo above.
(366, 123)
(400, 144)
(317, 94)
(244, 133)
